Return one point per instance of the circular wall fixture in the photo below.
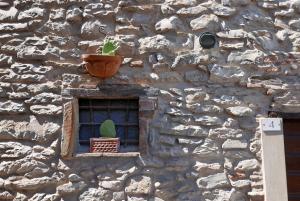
(207, 40)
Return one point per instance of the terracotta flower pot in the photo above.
(101, 65)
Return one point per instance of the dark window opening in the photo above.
(124, 113)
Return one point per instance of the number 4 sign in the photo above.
(271, 124)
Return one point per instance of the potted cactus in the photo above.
(105, 63)
(108, 141)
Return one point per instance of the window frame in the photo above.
(70, 129)
(92, 109)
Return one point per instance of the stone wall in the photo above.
(204, 140)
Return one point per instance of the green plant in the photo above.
(109, 47)
(108, 129)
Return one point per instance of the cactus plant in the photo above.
(108, 129)
(109, 48)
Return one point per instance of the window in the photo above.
(124, 113)
(131, 107)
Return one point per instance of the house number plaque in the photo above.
(271, 124)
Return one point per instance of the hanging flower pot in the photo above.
(102, 66)
(105, 64)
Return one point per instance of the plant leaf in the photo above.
(108, 129)
(110, 47)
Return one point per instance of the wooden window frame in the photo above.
(70, 129)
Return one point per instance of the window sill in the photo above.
(87, 155)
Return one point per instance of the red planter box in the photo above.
(108, 145)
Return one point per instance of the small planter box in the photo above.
(111, 145)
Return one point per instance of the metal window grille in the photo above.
(124, 113)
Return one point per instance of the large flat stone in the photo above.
(218, 180)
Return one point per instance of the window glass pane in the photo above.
(100, 102)
(133, 117)
(100, 116)
(84, 115)
(83, 102)
(96, 130)
(133, 133)
(120, 132)
(118, 116)
(118, 103)
(85, 132)
(133, 104)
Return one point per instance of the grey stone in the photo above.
(241, 184)
(156, 43)
(20, 197)
(191, 11)
(237, 154)
(46, 109)
(166, 9)
(118, 196)
(57, 14)
(5, 60)
(208, 120)
(182, 130)
(8, 15)
(169, 24)
(139, 185)
(296, 5)
(208, 22)
(167, 139)
(13, 27)
(247, 165)
(232, 45)
(31, 53)
(199, 108)
(18, 96)
(236, 2)
(240, 111)
(226, 74)
(196, 97)
(74, 14)
(6, 195)
(218, 180)
(94, 194)
(44, 197)
(10, 107)
(32, 130)
(94, 29)
(33, 13)
(45, 98)
(57, 28)
(30, 68)
(223, 11)
(225, 133)
(136, 198)
(196, 76)
(74, 178)
(32, 184)
(234, 144)
(70, 188)
(233, 34)
(189, 141)
(226, 100)
(181, 2)
(205, 169)
(208, 150)
(295, 24)
(193, 58)
(247, 57)
(113, 185)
